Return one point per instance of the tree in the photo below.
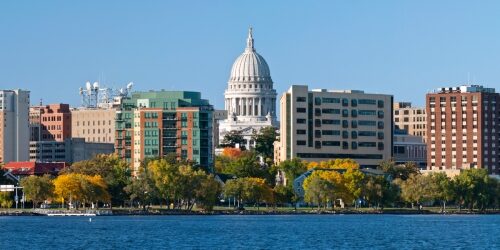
(378, 191)
(402, 172)
(232, 138)
(318, 190)
(80, 189)
(142, 188)
(232, 153)
(284, 194)
(442, 189)
(264, 141)
(353, 181)
(474, 188)
(114, 170)
(416, 189)
(249, 190)
(248, 165)
(208, 193)
(37, 189)
(292, 168)
(6, 200)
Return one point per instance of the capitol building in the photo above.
(250, 99)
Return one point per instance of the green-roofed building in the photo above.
(156, 123)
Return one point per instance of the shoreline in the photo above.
(156, 212)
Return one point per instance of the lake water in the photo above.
(253, 232)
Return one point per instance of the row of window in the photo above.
(344, 144)
(345, 112)
(344, 101)
(99, 123)
(344, 123)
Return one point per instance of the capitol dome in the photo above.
(250, 66)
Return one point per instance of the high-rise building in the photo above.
(50, 122)
(156, 123)
(463, 128)
(96, 125)
(14, 125)
(319, 125)
(411, 119)
(250, 98)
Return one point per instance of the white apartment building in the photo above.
(14, 125)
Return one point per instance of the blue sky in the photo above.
(404, 48)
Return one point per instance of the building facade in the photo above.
(156, 123)
(14, 125)
(463, 128)
(94, 125)
(411, 119)
(50, 122)
(70, 150)
(250, 98)
(319, 125)
(409, 148)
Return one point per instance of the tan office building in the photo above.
(411, 119)
(320, 125)
(95, 125)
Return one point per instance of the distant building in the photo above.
(319, 125)
(411, 119)
(250, 98)
(70, 150)
(409, 148)
(219, 115)
(462, 128)
(50, 122)
(14, 125)
(95, 125)
(27, 168)
(156, 123)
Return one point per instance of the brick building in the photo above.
(463, 128)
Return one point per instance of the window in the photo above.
(380, 135)
(380, 103)
(354, 113)
(345, 113)
(331, 132)
(331, 100)
(317, 123)
(380, 125)
(317, 144)
(331, 111)
(367, 123)
(367, 101)
(317, 112)
(301, 121)
(354, 102)
(331, 143)
(317, 101)
(345, 124)
(333, 122)
(301, 131)
(380, 114)
(354, 145)
(301, 110)
(367, 133)
(345, 134)
(301, 142)
(345, 102)
(367, 144)
(317, 133)
(301, 99)
(345, 145)
(354, 134)
(380, 146)
(366, 112)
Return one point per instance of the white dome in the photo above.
(250, 66)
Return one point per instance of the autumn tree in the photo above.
(80, 189)
(37, 188)
(416, 189)
(6, 200)
(402, 172)
(292, 168)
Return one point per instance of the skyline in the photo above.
(375, 47)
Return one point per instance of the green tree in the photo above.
(475, 189)
(416, 189)
(248, 165)
(318, 190)
(142, 188)
(114, 170)
(441, 189)
(292, 168)
(264, 141)
(37, 188)
(208, 193)
(284, 194)
(232, 138)
(402, 172)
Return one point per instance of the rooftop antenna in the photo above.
(41, 102)
(468, 78)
